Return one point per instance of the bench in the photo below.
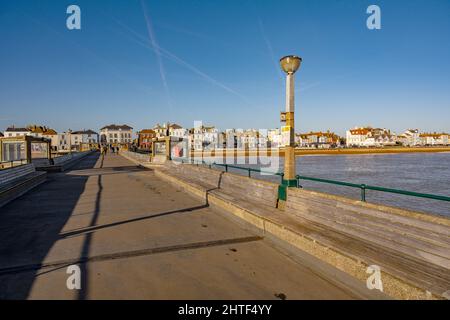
(16, 181)
(242, 192)
(412, 249)
(11, 174)
(61, 159)
(62, 163)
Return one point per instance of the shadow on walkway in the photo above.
(30, 226)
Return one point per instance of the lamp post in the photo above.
(290, 64)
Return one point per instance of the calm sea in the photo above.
(420, 172)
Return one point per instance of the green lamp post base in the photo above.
(282, 189)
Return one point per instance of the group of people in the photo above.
(113, 149)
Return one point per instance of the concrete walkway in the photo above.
(137, 237)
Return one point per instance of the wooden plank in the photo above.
(406, 245)
(415, 271)
(377, 223)
(361, 210)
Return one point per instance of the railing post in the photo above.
(226, 168)
(298, 182)
(249, 173)
(363, 193)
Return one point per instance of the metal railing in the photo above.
(230, 166)
(363, 187)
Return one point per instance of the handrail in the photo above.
(228, 166)
(362, 187)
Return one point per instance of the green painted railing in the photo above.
(230, 166)
(363, 187)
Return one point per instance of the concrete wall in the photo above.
(61, 159)
(136, 156)
(240, 187)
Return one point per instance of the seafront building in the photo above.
(84, 139)
(116, 134)
(274, 138)
(16, 132)
(410, 138)
(37, 131)
(319, 140)
(252, 139)
(370, 137)
(434, 139)
(145, 138)
(205, 138)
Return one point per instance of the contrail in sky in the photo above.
(156, 49)
(269, 48)
(161, 52)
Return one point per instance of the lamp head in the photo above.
(290, 64)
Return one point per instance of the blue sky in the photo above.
(218, 62)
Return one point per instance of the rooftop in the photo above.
(14, 129)
(85, 132)
(117, 127)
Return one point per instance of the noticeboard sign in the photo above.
(285, 136)
(159, 148)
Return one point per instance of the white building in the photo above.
(252, 139)
(230, 139)
(357, 136)
(434, 139)
(16, 132)
(64, 143)
(370, 137)
(410, 137)
(274, 137)
(34, 131)
(83, 137)
(170, 129)
(116, 134)
(205, 138)
(178, 131)
(320, 140)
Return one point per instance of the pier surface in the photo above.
(135, 236)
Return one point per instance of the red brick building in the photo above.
(145, 137)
